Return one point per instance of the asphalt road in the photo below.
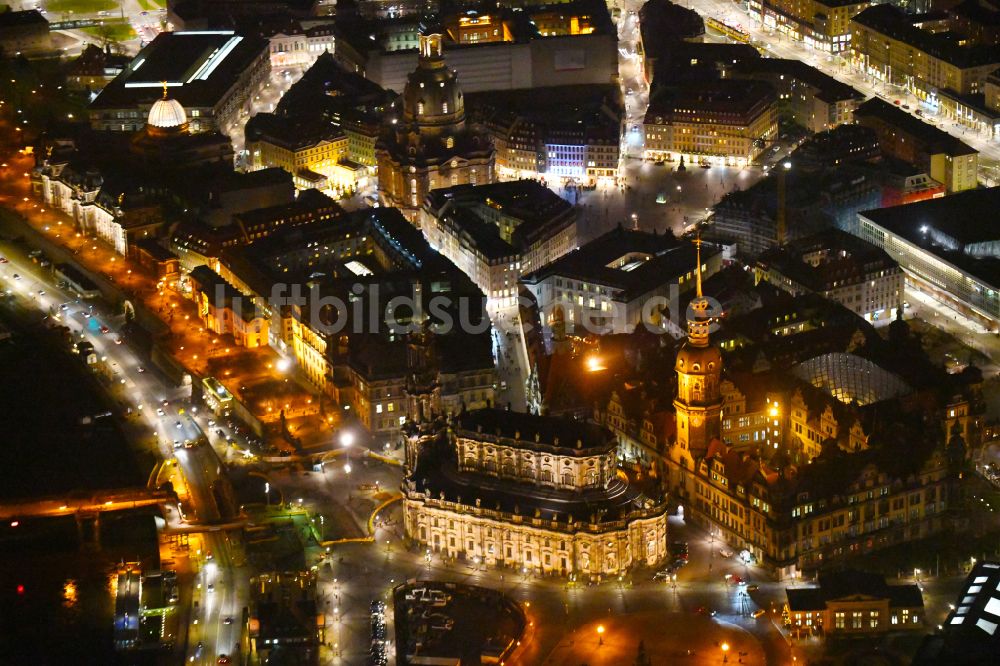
(146, 392)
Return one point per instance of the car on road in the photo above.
(757, 613)
(41, 292)
(16, 276)
(87, 314)
(140, 369)
(3, 260)
(753, 588)
(118, 341)
(211, 587)
(228, 620)
(159, 412)
(906, 107)
(223, 659)
(725, 552)
(897, 102)
(178, 425)
(702, 610)
(666, 574)
(105, 329)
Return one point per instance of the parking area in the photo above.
(448, 621)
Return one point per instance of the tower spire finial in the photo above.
(697, 246)
(164, 89)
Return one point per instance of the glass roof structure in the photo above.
(851, 378)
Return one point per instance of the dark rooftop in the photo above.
(152, 247)
(19, 19)
(485, 236)
(893, 22)
(664, 258)
(553, 431)
(947, 226)
(819, 261)
(199, 68)
(589, 109)
(936, 139)
(830, 89)
(536, 206)
(841, 584)
(730, 96)
(291, 133)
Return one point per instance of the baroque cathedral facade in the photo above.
(427, 144)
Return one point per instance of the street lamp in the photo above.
(725, 652)
(600, 634)
(346, 440)
(267, 493)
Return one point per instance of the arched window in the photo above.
(420, 108)
(444, 107)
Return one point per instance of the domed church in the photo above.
(426, 143)
(167, 141)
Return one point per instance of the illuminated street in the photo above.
(781, 46)
(389, 471)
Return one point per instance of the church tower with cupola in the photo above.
(426, 143)
(698, 404)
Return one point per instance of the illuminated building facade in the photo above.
(937, 66)
(559, 134)
(796, 517)
(109, 201)
(852, 603)
(354, 354)
(305, 149)
(212, 73)
(222, 309)
(726, 122)
(822, 24)
(429, 146)
(497, 233)
(841, 267)
(536, 493)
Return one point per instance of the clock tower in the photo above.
(698, 404)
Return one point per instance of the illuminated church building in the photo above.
(430, 146)
(698, 404)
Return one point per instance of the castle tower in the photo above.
(699, 369)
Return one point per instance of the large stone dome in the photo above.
(167, 113)
(432, 97)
